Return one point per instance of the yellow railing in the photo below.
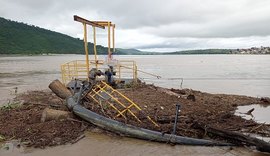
(77, 69)
(126, 69)
(118, 101)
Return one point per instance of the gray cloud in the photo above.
(155, 24)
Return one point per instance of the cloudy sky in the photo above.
(154, 25)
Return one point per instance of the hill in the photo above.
(20, 38)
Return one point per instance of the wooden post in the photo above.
(52, 114)
(59, 89)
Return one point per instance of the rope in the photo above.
(157, 76)
(199, 78)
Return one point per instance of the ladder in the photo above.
(118, 101)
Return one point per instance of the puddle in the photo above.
(260, 113)
(266, 139)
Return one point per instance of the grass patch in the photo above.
(10, 105)
(2, 138)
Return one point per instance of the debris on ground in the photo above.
(216, 110)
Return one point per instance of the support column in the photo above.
(113, 39)
(86, 47)
(95, 48)
(109, 41)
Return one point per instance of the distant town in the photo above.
(253, 50)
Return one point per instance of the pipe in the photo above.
(133, 131)
(176, 118)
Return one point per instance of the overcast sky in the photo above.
(154, 25)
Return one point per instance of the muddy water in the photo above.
(209, 73)
(99, 144)
(260, 113)
(246, 75)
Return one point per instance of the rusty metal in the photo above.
(82, 20)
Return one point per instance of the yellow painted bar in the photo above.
(113, 98)
(113, 38)
(134, 115)
(95, 48)
(86, 48)
(123, 111)
(101, 89)
(116, 109)
(122, 96)
(109, 41)
(107, 102)
(78, 69)
(148, 117)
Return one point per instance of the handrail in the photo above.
(144, 72)
(77, 69)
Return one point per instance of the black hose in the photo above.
(133, 131)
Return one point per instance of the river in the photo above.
(232, 74)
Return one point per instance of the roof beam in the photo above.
(82, 20)
(104, 23)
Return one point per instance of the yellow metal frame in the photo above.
(78, 69)
(112, 93)
(123, 68)
(94, 24)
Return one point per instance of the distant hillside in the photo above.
(20, 38)
(203, 51)
(134, 52)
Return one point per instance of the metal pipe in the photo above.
(176, 118)
(133, 131)
(86, 48)
(113, 39)
(109, 41)
(79, 94)
(95, 48)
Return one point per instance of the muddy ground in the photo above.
(22, 120)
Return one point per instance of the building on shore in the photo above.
(253, 50)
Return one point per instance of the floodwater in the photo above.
(260, 113)
(233, 74)
(100, 144)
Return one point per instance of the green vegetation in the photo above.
(2, 138)
(10, 106)
(20, 38)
